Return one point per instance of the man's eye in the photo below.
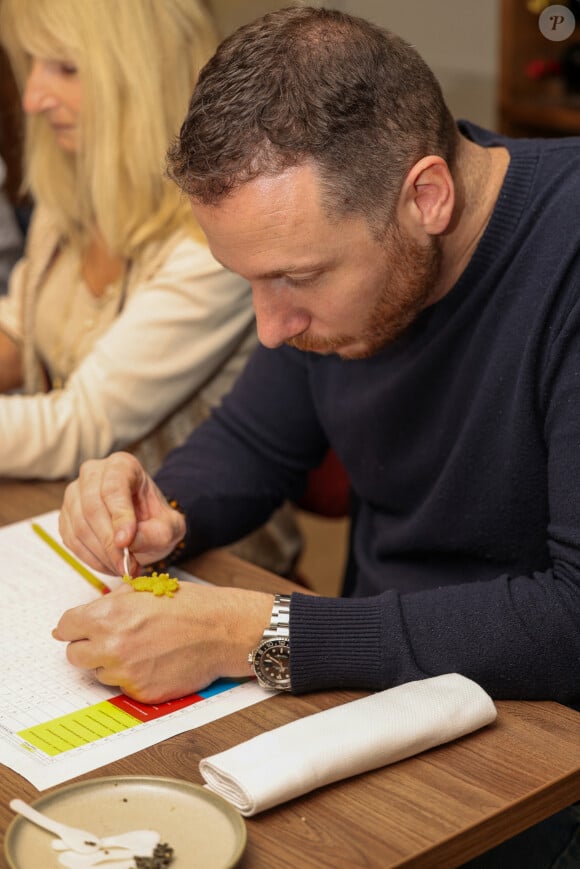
(305, 281)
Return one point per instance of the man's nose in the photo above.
(277, 319)
(38, 95)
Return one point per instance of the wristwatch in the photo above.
(270, 660)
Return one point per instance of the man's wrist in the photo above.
(270, 658)
(178, 551)
(246, 615)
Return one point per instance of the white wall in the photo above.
(459, 39)
(232, 13)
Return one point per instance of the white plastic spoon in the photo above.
(77, 840)
(140, 842)
(120, 859)
(117, 851)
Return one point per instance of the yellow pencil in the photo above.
(70, 559)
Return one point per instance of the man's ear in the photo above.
(427, 197)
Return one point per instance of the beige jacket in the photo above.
(184, 334)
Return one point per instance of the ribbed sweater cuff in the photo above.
(335, 643)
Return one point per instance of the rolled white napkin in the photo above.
(382, 728)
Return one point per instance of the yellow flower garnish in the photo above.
(158, 583)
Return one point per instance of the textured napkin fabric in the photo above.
(382, 728)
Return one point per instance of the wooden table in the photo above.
(434, 811)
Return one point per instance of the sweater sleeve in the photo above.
(252, 454)
(176, 331)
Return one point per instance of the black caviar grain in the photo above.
(162, 856)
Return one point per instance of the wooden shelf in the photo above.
(527, 106)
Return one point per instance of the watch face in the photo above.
(272, 663)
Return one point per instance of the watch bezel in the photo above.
(264, 679)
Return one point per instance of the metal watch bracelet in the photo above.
(280, 618)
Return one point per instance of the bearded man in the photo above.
(416, 284)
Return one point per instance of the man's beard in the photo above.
(411, 274)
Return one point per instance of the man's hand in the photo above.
(160, 648)
(114, 504)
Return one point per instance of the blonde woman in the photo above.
(119, 330)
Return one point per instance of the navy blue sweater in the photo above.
(462, 442)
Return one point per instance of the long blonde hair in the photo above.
(138, 61)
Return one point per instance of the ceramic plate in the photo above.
(201, 827)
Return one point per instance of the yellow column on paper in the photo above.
(78, 728)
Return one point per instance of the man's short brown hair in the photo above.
(320, 86)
